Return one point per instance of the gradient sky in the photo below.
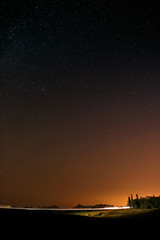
(79, 101)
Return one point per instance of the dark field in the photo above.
(129, 224)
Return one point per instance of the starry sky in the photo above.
(79, 101)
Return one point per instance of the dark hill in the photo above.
(48, 224)
(94, 206)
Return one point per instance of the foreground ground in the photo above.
(129, 224)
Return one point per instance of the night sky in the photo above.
(79, 101)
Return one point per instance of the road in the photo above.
(65, 209)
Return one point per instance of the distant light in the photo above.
(115, 208)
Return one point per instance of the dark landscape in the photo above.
(65, 225)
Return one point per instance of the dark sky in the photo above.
(79, 100)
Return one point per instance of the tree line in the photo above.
(148, 202)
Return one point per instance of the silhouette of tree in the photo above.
(149, 202)
(129, 202)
